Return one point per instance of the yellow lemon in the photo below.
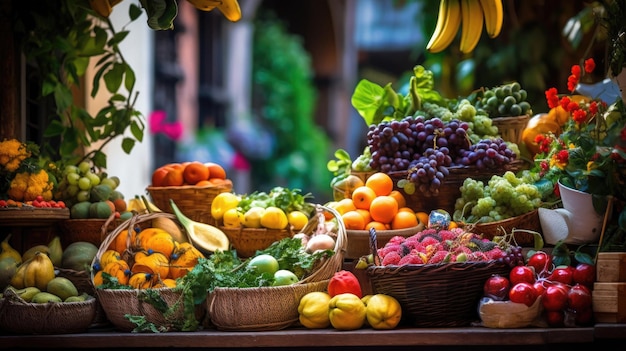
(274, 218)
(232, 218)
(222, 203)
(297, 219)
(252, 217)
(313, 310)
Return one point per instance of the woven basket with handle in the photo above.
(527, 222)
(117, 303)
(276, 307)
(436, 295)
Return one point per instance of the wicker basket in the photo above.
(359, 240)
(511, 128)
(274, 308)
(450, 190)
(193, 201)
(117, 303)
(21, 317)
(528, 222)
(82, 282)
(436, 295)
(89, 230)
(246, 241)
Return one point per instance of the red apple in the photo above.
(497, 287)
(519, 274)
(541, 262)
(562, 275)
(585, 274)
(555, 297)
(579, 297)
(523, 293)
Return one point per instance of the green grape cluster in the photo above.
(431, 110)
(362, 162)
(78, 181)
(504, 101)
(500, 198)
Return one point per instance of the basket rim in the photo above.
(190, 187)
(431, 267)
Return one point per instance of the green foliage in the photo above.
(61, 46)
(284, 99)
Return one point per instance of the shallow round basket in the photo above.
(450, 189)
(507, 314)
(527, 222)
(246, 241)
(511, 128)
(117, 303)
(82, 282)
(436, 295)
(21, 317)
(359, 240)
(193, 201)
(276, 307)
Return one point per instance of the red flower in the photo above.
(552, 97)
(572, 81)
(562, 156)
(579, 116)
(576, 71)
(590, 65)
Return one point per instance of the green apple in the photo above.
(284, 277)
(264, 263)
(84, 167)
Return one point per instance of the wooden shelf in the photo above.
(480, 337)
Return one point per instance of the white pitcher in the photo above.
(576, 223)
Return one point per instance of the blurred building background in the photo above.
(269, 96)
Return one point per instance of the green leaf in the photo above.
(113, 78)
(134, 12)
(129, 81)
(136, 130)
(99, 159)
(367, 99)
(54, 128)
(128, 144)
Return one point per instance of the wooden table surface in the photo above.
(467, 338)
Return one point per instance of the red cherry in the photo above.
(562, 275)
(579, 297)
(555, 318)
(519, 274)
(585, 274)
(523, 293)
(555, 297)
(541, 262)
(497, 287)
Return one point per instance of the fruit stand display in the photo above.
(432, 238)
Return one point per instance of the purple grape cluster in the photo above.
(426, 148)
(514, 256)
(487, 154)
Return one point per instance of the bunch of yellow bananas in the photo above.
(469, 15)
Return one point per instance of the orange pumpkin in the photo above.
(185, 258)
(117, 269)
(155, 263)
(541, 123)
(142, 280)
(161, 242)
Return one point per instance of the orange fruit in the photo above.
(422, 217)
(332, 204)
(120, 205)
(375, 225)
(195, 172)
(362, 197)
(174, 177)
(215, 170)
(345, 205)
(383, 209)
(345, 187)
(396, 194)
(353, 220)
(381, 183)
(367, 217)
(404, 220)
(158, 175)
(406, 209)
(204, 183)
(453, 225)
